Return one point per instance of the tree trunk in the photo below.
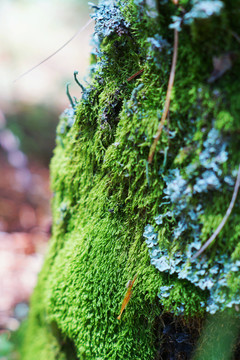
(123, 208)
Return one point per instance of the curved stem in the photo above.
(55, 52)
(69, 96)
(224, 220)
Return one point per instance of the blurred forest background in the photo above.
(30, 30)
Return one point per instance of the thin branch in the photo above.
(127, 296)
(224, 220)
(55, 52)
(168, 96)
(237, 37)
(135, 75)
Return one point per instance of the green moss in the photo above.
(105, 192)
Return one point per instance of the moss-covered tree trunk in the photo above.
(115, 215)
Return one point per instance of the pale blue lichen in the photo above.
(201, 9)
(201, 273)
(67, 120)
(109, 20)
(202, 177)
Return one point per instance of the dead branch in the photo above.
(224, 220)
(55, 52)
(168, 96)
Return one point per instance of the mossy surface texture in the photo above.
(106, 195)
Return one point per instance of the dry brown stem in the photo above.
(55, 52)
(135, 75)
(168, 96)
(224, 220)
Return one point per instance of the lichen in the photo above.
(187, 192)
(200, 9)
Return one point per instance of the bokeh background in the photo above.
(30, 30)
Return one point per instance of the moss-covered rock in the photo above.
(110, 204)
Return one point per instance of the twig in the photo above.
(237, 37)
(168, 96)
(224, 220)
(135, 75)
(55, 52)
(127, 296)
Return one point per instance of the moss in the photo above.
(105, 192)
(216, 343)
